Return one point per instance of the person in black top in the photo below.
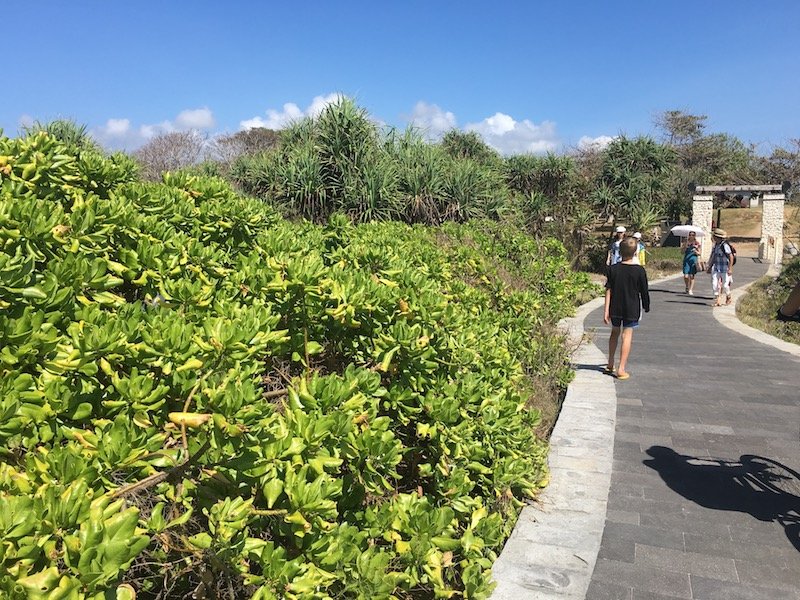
(626, 297)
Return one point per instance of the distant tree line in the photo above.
(341, 161)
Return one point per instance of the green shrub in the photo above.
(198, 397)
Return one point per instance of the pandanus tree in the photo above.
(460, 144)
(637, 173)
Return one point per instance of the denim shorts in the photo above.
(625, 323)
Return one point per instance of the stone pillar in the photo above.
(702, 212)
(770, 248)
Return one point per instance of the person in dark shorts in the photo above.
(626, 296)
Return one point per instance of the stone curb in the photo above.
(552, 551)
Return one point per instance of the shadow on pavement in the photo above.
(699, 302)
(761, 487)
(585, 367)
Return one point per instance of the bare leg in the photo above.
(612, 347)
(686, 280)
(625, 349)
(690, 285)
(792, 304)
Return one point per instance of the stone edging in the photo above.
(552, 551)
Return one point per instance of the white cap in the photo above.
(620, 229)
(637, 235)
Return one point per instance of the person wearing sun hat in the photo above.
(614, 256)
(720, 265)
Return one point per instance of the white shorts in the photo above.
(721, 283)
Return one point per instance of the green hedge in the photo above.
(198, 397)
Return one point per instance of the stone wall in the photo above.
(771, 245)
(702, 213)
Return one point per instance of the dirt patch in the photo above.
(746, 248)
(746, 223)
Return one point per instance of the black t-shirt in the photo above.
(628, 285)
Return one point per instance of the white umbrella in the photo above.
(685, 230)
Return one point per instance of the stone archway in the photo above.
(770, 247)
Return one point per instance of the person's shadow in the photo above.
(761, 487)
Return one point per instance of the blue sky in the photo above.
(529, 76)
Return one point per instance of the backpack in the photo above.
(733, 251)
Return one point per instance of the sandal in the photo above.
(623, 376)
(609, 371)
(728, 299)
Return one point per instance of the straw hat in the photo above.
(720, 233)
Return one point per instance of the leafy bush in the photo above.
(761, 302)
(198, 397)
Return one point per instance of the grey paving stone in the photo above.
(643, 595)
(686, 562)
(704, 588)
(643, 506)
(701, 427)
(617, 548)
(623, 516)
(629, 401)
(627, 489)
(758, 532)
(608, 591)
(713, 546)
(662, 538)
(768, 575)
(642, 578)
(682, 523)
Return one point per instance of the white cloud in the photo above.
(509, 136)
(431, 119)
(596, 143)
(121, 134)
(500, 131)
(117, 127)
(151, 131)
(499, 124)
(197, 118)
(275, 120)
(320, 103)
(290, 113)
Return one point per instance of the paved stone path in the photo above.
(697, 508)
(671, 484)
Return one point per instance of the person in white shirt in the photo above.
(614, 256)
